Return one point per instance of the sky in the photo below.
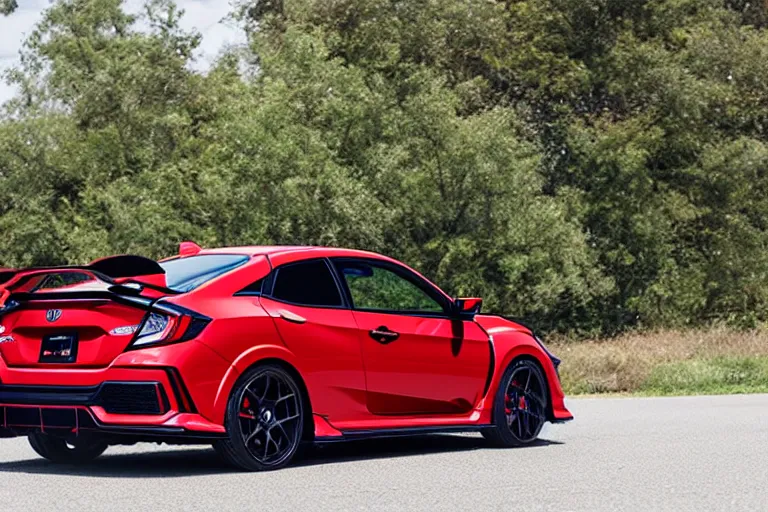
(204, 15)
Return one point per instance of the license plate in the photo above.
(59, 348)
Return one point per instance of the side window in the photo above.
(378, 288)
(308, 283)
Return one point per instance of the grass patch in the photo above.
(723, 375)
(713, 361)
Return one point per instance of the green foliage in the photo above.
(386, 291)
(8, 6)
(588, 165)
(719, 376)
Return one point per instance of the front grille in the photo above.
(132, 398)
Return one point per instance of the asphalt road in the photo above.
(700, 453)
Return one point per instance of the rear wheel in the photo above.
(62, 451)
(265, 419)
(520, 406)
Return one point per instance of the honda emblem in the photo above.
(52, 315)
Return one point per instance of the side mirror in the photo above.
(469, 305)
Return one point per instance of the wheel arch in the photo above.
(308, 432)
(260, 355)
(516, 346)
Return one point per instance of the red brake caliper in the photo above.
(246, 405)
(522, 403)
(509, 400)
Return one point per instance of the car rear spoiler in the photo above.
(6, 275)
(114, 267)
(119, 271)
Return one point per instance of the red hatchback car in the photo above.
(258, 350)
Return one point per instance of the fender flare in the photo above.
(513, 345)
(245, 361)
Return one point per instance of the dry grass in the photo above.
(636, 362)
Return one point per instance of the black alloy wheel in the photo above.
(520, 406)
(265, 420)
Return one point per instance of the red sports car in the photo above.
(258, 350)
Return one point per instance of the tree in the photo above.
(589, 165)
(8, 6)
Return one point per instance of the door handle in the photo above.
(291, 317)
(383, 335)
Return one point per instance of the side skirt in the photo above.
(352, 435)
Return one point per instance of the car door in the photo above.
(419, 358)
(317, 326)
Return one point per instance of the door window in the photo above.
(378, 288)
(309, 283)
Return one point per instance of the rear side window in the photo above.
(308, 283)
(186, 274)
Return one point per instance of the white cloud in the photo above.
(205, 16)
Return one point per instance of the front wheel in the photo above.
(61, 451)
(520, 406)
(265, 420)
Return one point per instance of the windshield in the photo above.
(186, 274)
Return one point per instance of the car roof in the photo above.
(282, 254)
(296, 251)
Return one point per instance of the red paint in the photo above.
(189, 249)
(435, 374)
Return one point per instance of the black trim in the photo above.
(161, 289)
(180, 391)
(269, 282)
(139, 302)
(492, 366)
(127, 266)
(252, 290)
(64, 422)
(80, 396)
(113, 267)
(351, 435)
(48, 395)
(7, 275)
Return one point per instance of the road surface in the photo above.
(676, 454)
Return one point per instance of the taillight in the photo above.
(168, 324)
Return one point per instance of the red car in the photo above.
(259, 350)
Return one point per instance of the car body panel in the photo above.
(436, 366)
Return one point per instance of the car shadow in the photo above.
(204, 461)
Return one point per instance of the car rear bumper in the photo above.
(164, 387)
(73, 421)
(139, 408)
(162, 392)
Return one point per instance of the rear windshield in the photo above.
(186, 274)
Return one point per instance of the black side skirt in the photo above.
(351, 435)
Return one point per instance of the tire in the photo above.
(520, 406)
(264, 420)
(59, 451)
